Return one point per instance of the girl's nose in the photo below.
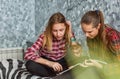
(58, 33)
(86, 34)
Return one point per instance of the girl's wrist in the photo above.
(50, 63)
(73, 39)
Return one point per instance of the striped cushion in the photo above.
(15, 69)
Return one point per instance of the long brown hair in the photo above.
(101, 43)
(48, 37)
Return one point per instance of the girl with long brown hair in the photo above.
(103, 41)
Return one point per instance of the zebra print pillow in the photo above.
(15, 69)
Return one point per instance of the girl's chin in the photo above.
(90, 37)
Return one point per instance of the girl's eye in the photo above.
(61, 29)
(90, 32)
(54, 30)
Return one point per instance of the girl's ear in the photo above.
(99, 25)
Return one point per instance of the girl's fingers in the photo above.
(57, 67)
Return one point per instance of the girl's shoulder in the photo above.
(111, 32)
(41, 35)
(110, 29)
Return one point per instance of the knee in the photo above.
(30, 64)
